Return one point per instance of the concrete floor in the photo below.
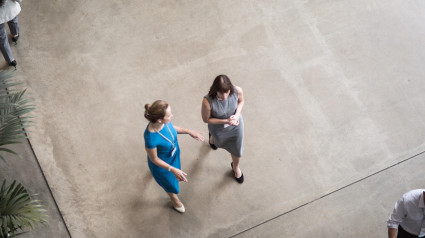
(334, 101)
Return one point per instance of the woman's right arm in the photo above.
(153, 156)
(206, 114)
(392, 233)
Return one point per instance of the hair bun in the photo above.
(147, 116)
(156, 110)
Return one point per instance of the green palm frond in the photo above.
(14, 105)
(7, 81)
(18, 211)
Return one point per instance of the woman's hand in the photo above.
(234, 120)
(196, 135)
(179, 174)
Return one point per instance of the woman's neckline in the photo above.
(151, 129)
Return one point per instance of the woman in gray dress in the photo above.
(221, 109)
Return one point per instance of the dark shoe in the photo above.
(15, 39)
(13, 63)
(214, 147)
(240, 179)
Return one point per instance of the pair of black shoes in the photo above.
(214, 147)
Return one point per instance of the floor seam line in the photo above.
(328, 194)
(42, 174)
(47, 184)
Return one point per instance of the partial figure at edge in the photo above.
(9, 10)
(408, 217)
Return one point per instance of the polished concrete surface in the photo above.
(333, 90)
(358, 210)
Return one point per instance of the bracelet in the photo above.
(169, 168)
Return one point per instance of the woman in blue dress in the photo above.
(163, 149)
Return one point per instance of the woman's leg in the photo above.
(211, 142)
(236, 169)
(175, 200)
(211, 139)
(4, 45)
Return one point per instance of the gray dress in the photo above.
(226, 136)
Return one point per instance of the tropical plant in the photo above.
(14, 106)
(18, 211)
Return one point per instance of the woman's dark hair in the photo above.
(2, 2)
(221, 84)
(156, 110)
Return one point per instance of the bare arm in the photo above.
(398, 215)
(194, 134)
(153, 156)
(392, 233)
(240, 103)
(206, 114)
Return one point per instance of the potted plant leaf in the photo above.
(18, 210)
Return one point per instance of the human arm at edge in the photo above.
(396, 218)
(392, 233)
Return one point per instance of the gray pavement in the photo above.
(333, 90)
(357, 210)
(25, 170)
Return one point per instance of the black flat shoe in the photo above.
(15, 39)
(214, 147)
(13, 63)
(240, 179)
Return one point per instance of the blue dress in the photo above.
(164, 148)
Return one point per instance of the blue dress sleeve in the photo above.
(149, 141)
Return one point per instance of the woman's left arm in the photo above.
(240, 103)
(195, 134)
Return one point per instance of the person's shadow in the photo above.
(197, 168)
(150, 202)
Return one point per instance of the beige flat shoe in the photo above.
(180, 209)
